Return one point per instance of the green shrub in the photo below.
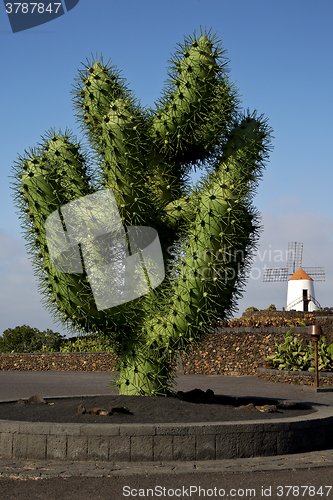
(25, 339)
(251, 309)
(325, 356)
(92, 343)
(293, 356)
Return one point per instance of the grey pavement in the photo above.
(23, 384)
(17, 384)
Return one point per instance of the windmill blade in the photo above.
(280, 274)
(295, 251)
(316, 273)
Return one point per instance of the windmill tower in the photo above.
(300, 291)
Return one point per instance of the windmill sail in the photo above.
(316, 273)
(280, 274)
(295, 252)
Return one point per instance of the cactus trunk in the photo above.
(142, 377)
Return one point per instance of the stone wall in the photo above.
(323, 319)
(62, 361)
(237, 351)
(295, 378)
(226, 351)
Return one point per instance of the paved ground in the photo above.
(15, 385)
(307, 484)
(18, 384)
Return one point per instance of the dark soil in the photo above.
(193, 406)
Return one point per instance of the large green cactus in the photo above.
(207, 233)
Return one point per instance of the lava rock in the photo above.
(33, 400)
(197, 396)
(249, 407)
(121, 409)
(81, 410)
(267, 408)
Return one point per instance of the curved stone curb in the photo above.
(301, 377)
(293, 373)
(166, 442)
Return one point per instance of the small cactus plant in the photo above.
(207, 233)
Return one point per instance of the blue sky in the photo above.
(280, 60)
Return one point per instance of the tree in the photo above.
(24, 339)
(143, 158)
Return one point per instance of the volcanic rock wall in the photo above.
(226, 351)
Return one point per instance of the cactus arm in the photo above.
(225, 223)
(116, 125)
(196, 107)
(50, 177)
(97, 86)
(125, 166)
(246, 142)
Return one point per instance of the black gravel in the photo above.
(170, 409)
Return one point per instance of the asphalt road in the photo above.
(286, 484)
(306, 476)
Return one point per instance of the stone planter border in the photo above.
(275, 371)
(297, 377)
(166, 442)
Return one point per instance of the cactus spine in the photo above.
(207, 233)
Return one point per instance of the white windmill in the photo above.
(300, 291)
